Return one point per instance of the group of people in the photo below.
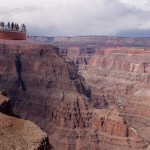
(12, 26)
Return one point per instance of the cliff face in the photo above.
(120, 75)
(47, 89)
(17, 133)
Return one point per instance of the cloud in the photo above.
(78, 17)
(26, 9)
(138, 4)
(18, 10)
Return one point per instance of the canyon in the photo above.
(119, 74)
(86, 93)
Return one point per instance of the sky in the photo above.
(79, 17)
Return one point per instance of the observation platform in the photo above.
(12, 31)
(12, 35)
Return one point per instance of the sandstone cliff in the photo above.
(46, 88)
(121, 76)
(17, 133)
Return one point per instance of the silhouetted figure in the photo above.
(17, 26)
(2, 24)
(23, 27)
(8, 25)
(12, 25)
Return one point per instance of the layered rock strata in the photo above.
(121, 76)
(47, 89)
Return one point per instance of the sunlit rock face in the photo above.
(77, 113)
(17, 133)
(121, 76)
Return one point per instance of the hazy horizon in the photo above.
(123, 18)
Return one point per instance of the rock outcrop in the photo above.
(17, 133)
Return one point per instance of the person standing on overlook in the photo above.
(17, 27)
(12, 25)
(23, 27)
(8, 25)
(3, 24)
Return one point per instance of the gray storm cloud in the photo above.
(79, 17)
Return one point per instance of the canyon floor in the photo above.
(86, 93)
